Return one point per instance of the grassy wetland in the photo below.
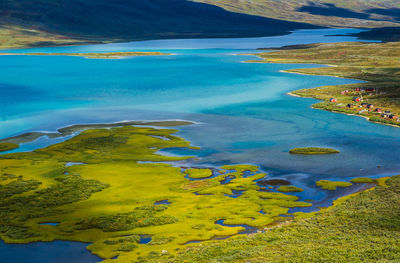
(375, 63)
(109, 187)
(363, 227)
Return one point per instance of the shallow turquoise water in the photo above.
(242, 110)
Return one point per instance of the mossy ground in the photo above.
(375, 63)
(109, 193)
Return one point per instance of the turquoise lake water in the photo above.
(242, 111)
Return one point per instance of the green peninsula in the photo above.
(109, 187)
(378, 99)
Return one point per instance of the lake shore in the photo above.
(378, 92)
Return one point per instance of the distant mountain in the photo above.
(331, 13)
(116, 20)
(47, 22)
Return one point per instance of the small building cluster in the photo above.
(366, 107)
(365, 89)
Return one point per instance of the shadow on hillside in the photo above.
(331, 10)
(134, 19)
(394, 13)
(326, 9)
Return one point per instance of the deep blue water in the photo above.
(242, 111)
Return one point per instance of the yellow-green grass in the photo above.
(363, 227)
(109, 197)
(197, 173)
(363, 180)
(375, 63)
(332, 185)
(313, 150)
(8, 146)
(105, 55)
(289, 188)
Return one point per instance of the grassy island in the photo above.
(199, 173)
(106, 55)
(104, 187)
(376, 63)
(332, 185)
(313, 150)
(289, 188)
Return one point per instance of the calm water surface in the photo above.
(242, 110)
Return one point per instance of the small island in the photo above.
(289, 188)
(313, 150)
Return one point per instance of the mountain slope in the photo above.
(48, 22)
(116, 20)
(332, 13)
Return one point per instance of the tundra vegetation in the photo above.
(363, 227)
(103, 187)
(313, 150)
(375, 63)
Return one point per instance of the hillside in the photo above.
(55, 22)
(330, 13)
(117, 20)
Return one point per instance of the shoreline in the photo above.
(338, 112)
(71, 129)
(292, 93)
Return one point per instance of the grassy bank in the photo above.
(376, 63)
(364, 227)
